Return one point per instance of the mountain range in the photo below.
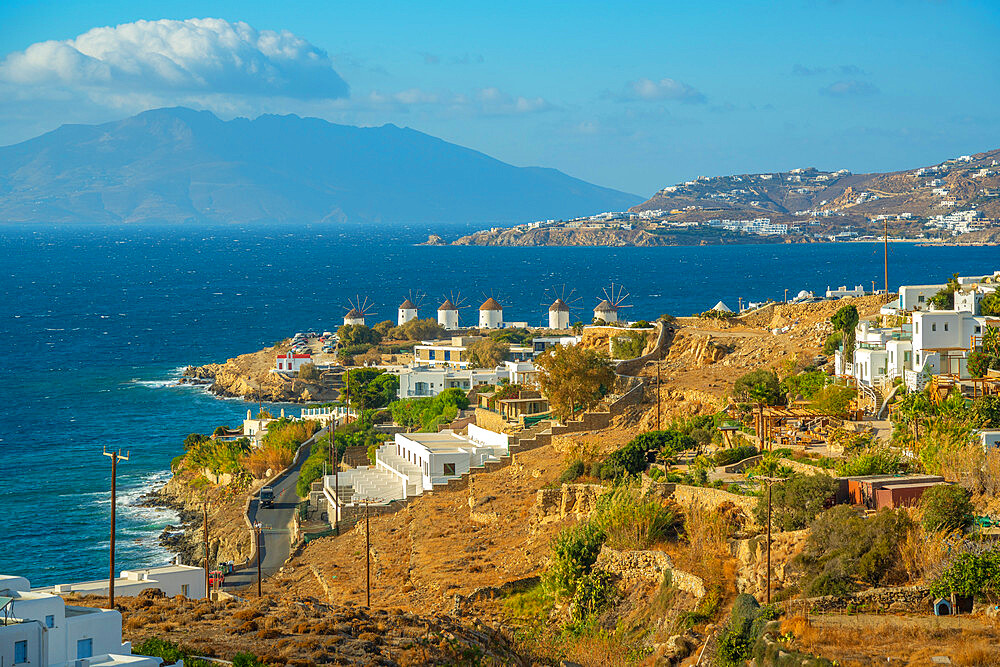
(177, 165)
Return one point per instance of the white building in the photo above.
(40, 629)
(448, 315)
(842, 292)
(559, 315)
(290, 362)
(606, 311)
(422, 381)
(491, 314)
(186, 580)
(407, 312)
(412, 464)
(354, 316)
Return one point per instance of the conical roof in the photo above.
(407, 304)
(722, 308)
(353, 314)
(490, 304)
(559, 305)
(447, 305)
(606, 306)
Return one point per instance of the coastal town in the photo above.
(957, 200)
(708, 460)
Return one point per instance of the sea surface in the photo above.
(97, 323)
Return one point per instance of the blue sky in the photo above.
(629, 95)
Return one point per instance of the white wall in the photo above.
(489, 438)
(448, 319)
(405, 315)
(491, 319)
(915, 297)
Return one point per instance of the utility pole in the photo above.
(208, 592)
(256, 529)
(887, 256)
(336, 475)
(115, 458)
(769, 481)
(368, 561)
(658, 389)
(786, 295)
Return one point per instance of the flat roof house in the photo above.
(41, 629)
(186, 580)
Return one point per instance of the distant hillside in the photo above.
(972, 183)
(178, 165)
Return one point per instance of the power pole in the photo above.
(658, 389)
(368, 561)
(256, 529)
(208, 592)
(769, 481)
(336, 475)
(786, 295)
(115, 458)
(886, 256)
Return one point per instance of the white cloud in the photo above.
(194, 56)
(664, 89)
(493, 101)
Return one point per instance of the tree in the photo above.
(511, 336)
(990, 305)
(573, 376)
(971, 575)
(833, 399)
(759, 386)
(986, 411)
(978, 363)
(425, 329)
(946, 507)
(383, 328)
(629, 346)
(844, 321)
(370, 387)
(487, 353)
(991, 341)
(308, 372)
(372, 357)
(796, 501)
(357, 334)
(945, 298)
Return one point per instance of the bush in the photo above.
(725, 457)
(574, 552)
(746, 623)
(633, 523)
(428, 413)
(805, 384)
(628, 346)
(594, 593)
(833, 399)
(631, 459)
(573, 470)
(946, 507)
(844, 548)
(796, 501)
(971, 575)
(759, 386)
(874, 461)
(308, 372)
(832, 343)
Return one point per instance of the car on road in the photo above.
(266, 496)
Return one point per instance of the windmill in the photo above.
(448, 311)
(408, 310)
(357, 309)
(563, 303)
(615, 298)
(490, 313)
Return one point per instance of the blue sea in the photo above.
(98, 322)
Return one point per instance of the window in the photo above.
(945, 326)
(84, 648)
(979, 329)
(50, 621)
(184, 590)
(906, 357)
(934, 326)
(916, 327)
(447, 355)
(449, 468)
(20, 651)
(920, 299)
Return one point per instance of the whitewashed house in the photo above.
(186, 580)
(40, 629)
(422, 381)
(411, 465)
(491, 314)
(407, 312)
(290, 362)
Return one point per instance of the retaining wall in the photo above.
(647, 567)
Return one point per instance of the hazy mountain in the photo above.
(179, 165)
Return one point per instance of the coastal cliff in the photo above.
(614, 237)
(248, 377)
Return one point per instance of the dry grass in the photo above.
(261, 460)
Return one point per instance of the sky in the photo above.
(634, 96)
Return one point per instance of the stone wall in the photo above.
(710, 499)
(492, 421)
(906, 599)
(576, 501)
(647, 567)
(751, 562)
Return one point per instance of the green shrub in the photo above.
(759, 386)
(428, 413)
(574, 552)
(594, 593)
(573, 470)
(946, 507)
(630, 522)
(796, 501)
(832, 343)
(628, 346)
(874, 461)
(725, 457)
(747, 621)
(971, 575)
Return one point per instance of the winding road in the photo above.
(275, 546)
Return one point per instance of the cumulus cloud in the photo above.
(210, 56)
(496, 102)
(852, 88)
(664, 89)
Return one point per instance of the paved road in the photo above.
(274, 539)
